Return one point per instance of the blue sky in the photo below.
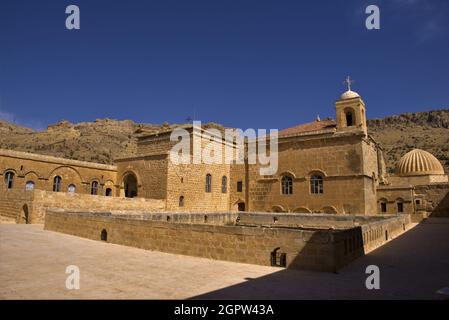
(246, 63)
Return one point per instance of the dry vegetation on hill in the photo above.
(424, 130)
(105, 139)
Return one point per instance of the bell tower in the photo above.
(350, 110)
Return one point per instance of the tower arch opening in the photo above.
(130, 185)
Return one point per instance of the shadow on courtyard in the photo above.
(412, 266)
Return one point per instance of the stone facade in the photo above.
(325, 166)
(30, 206)
(329, 201)
(41, 171)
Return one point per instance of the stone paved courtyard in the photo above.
(33, 263)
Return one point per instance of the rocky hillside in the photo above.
(424, 130)
(99, 141)
(105, 139)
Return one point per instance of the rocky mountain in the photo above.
(105, 139)
(401, 133)
(99, 141)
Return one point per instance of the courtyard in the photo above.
(33, 262)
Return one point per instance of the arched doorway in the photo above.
(25, 216)
(104, 235)
(130, 185)
(241, 206)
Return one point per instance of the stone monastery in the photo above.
(327, 169)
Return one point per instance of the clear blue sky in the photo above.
(246, 63)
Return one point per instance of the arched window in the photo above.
(29, 185)
(208, 183)
(224, 184)
(287, 185)
(383, 207)
(9, 178)
(349, 115)
(316, 184)
(108, 192)
(57, 184)
(349, 120)
(94, 188)
(71, 188)
(181, 201)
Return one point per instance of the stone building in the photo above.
(326, 166)
(419, 187)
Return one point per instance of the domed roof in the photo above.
(349, 95)
(418, 162)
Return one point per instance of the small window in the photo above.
(400, 207)
(94, 188)
(29, 186)
(383, 207)
(316, 184)
(181, 201)
(57, 184)
(208, 183)
(108, 192)
(104, 235)
(224, 184)
(9, 179)
(71, 188)
(239, 186)
(418, 201)
(286, 185)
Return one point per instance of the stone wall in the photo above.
(434, 199)
(15, 204)
(391, 195)
(189, 181)
(238, 174)
(150, 172)
(312, 220)
(376, 233)
(349, 184)
(154, 144)
(419, 201)
(31, 206)
(41, 170)
(319, 249)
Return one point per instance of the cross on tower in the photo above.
(348, 82)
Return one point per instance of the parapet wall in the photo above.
(376, 233)
(305, 220)
(31, 206)
(218, 238)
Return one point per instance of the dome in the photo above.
(349, 95)
(418, 162)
